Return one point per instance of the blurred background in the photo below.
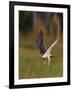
(30, 63)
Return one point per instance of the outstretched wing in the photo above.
(50, 48)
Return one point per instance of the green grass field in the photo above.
(31, 65)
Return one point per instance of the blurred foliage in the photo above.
(50, 23)
(25, 21)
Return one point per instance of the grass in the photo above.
(31, 65)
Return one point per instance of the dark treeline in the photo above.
(28, 20)
(25, 21)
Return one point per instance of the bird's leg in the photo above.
(48, 61)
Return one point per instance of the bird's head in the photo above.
(51, 56)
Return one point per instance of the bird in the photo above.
(48, 54)
(43, 52)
